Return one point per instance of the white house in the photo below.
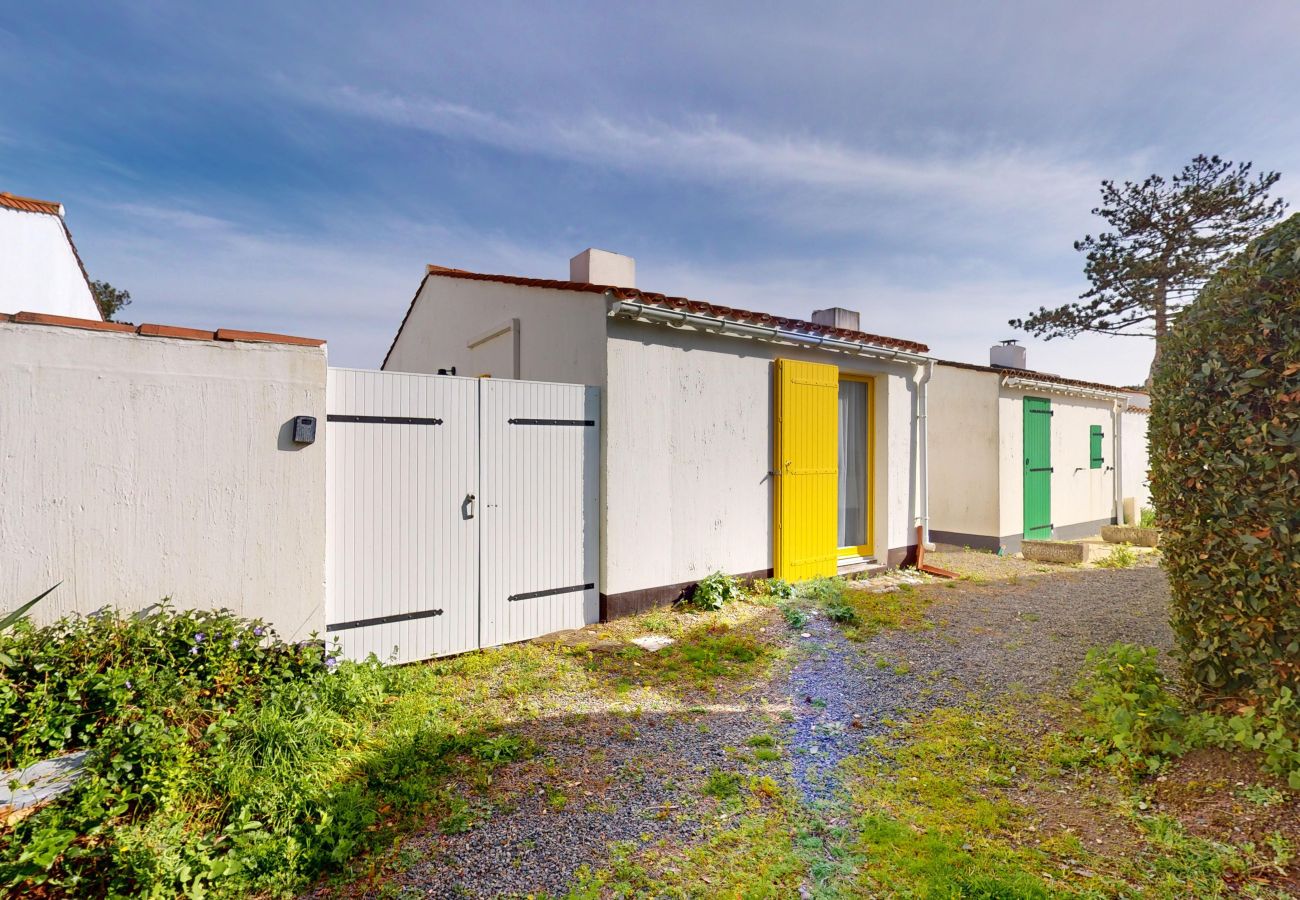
(40, 270)
(732, 440)
(1019, 454)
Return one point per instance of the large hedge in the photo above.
(1225, 437)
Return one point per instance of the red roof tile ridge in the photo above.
(30, 204)
(153, 330)
(656, 299)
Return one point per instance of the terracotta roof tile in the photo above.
(151, 330)
(701, 307)
(28, 204)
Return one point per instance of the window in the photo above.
(854, 528)
(1096, 457)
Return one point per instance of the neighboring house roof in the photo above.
(50, 208)
(1038, 376)
(28, 204)
(676, 303)
(167, 331)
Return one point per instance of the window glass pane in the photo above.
(853, 463)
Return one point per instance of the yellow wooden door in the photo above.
(806, 465)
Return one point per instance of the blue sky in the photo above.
(292, 166)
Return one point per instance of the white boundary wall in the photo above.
(137, 468)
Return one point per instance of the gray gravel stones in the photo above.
(635, 777)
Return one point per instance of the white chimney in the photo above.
(838, 317)
(593, 266)
(1007, 355)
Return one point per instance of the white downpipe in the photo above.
(1117, 429)
(921, 461)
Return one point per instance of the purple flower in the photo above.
(198, 638)
(331, 663)
(194, 650)
(128, 685)
(259, 631)
(234, 644)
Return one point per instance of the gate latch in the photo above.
(467, 507)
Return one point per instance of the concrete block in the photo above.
(1066, 552)
(1131, 534)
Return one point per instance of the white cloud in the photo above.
(981, 182)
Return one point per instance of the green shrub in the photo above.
(1147, 517)
(1225, 472)
(795, 615)
(223, 761)
(1138, 719)
(716, 591)
(779, 588)
(1120, 557)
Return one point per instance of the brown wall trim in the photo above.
(901, 556)
(961, 540)
(629, 603)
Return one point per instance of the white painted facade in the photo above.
(976, 446)
(688, 454)
(39, 270)
(502, 330)
(687, 438)
(138, 468)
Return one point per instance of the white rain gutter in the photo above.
(924, 365)
(630, 309)
(1119, 403)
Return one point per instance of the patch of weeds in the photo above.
(716, 591)
(721, 785)
(768, 851)
(935, 817)
(1120, 557)
(767, 754)
(776, 588)
(1261, 795)
(761, 740)
(696, 659)
(796, 617)
(659, 621)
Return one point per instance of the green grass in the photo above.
(696, 660)
(935, 817)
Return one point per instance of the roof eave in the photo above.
(630, 309)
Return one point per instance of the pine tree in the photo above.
(1168, 237)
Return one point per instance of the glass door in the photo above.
(855, 462)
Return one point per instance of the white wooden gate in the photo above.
(462, 512)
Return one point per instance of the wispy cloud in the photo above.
(993, 178)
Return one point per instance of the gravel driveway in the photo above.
(635, 777)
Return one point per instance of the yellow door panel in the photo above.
(807, 469)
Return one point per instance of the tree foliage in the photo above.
(1225, 472)
(111, 300)
(1167, 237)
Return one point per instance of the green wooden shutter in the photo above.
(1038, 468)
(1096, 457)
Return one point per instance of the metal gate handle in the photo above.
(467, 507)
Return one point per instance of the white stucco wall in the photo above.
(561, 333)
(688, 452)
(138, 468)
(38, 269)
(1079, 494)
(1135, 464)
(964, 444)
